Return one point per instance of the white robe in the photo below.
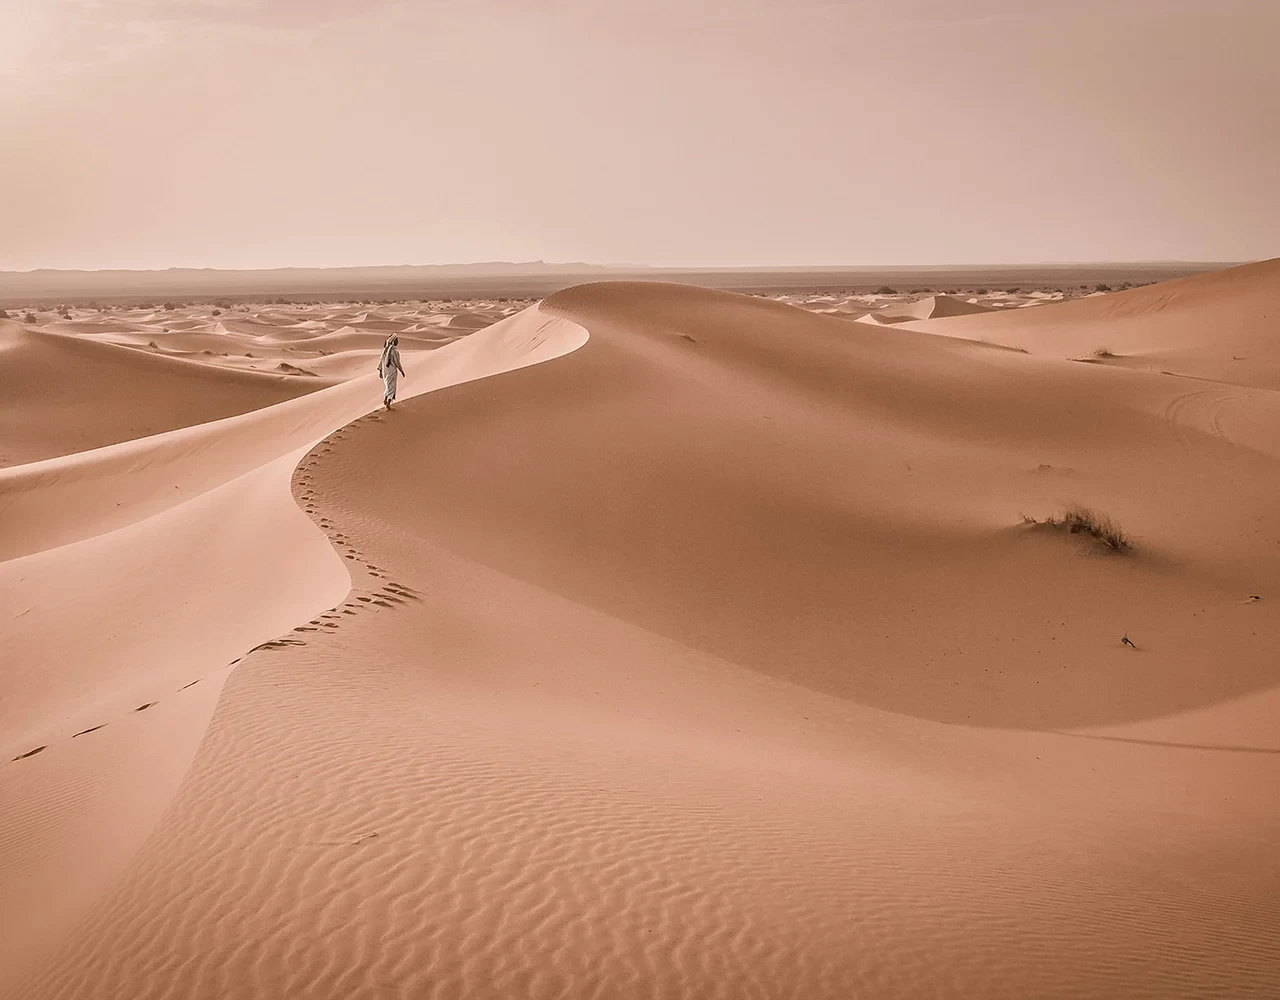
(389, 369)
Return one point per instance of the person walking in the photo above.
(389, 369)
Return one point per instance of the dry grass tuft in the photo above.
(1077, 519)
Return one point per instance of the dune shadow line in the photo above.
(1167, 743)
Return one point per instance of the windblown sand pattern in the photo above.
(664, 643)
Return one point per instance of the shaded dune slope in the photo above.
(840, 509)
(1223, 326)
(62, 394)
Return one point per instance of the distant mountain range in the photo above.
(212, 281)
(538, 278)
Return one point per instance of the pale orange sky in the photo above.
(260, 133)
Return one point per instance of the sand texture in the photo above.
(661, 642)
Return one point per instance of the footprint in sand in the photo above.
(197, 680)
(144, 707)
(91, 729)
(31, 753)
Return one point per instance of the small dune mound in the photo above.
(469, 321)
(930, 307)
(288, 369)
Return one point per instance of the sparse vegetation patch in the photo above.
(1083, 520)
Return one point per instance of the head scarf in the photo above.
(384, 362)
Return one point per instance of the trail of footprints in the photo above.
(359, 600)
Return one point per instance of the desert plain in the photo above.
(661, 641)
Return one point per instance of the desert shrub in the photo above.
(30, 317)
(1077, 519)
(981, 291)
(1102, 352)
(886, 290)
(1101, 287)
(170, 306)
(217, 312)
(4, 314)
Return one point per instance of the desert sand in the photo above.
(661, 642)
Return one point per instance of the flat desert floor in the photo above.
(660, 642)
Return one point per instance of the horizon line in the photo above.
(1167, 262)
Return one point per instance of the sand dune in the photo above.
(1219, 326)
(62, 394)
(102, 558)
(666, 643)
(929, 307)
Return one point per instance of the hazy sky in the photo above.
(259, 133)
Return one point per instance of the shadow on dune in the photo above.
(830, 505)
(1177, 746)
